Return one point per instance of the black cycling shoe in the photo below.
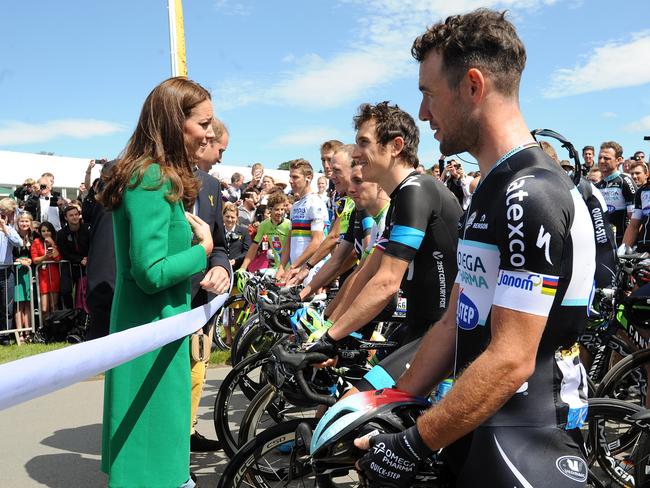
(199, 443)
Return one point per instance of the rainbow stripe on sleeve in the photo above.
(549, 286)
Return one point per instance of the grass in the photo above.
(13, 352)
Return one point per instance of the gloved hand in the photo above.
(392, 460)
(623, 249)
(325, 344)
(290, 294)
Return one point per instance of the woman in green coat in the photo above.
(146, 433)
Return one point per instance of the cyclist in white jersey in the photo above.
(308, 216)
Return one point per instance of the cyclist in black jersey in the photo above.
(357, 239)
(638, 232)
(522, 290)
(418, 246)
(617, 188)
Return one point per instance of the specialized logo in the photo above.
(515, 214)
(572, 467)
(544, 242)
(466, 313)
(470, 220)
(410, 181)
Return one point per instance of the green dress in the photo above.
(146, 428)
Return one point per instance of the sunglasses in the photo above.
(43, 187)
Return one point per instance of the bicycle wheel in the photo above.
(220, 322)
(269, 408)
(253, 322)
(252, 341)
(266, 462)
(628, 380)
(614, 438)
(237, 389)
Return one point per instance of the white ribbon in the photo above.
(34, 376)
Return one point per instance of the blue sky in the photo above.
(286, 75)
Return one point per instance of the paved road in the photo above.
(55, 440)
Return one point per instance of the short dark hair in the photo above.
(391, 122)
(615, 146)
(236, 177)
(248, 194)
(587, 148)
(481, 39)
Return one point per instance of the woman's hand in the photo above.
(201, 231)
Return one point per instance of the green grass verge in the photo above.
(13, 352)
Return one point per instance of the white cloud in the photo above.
(616, 64)
(642, 125)
(308, 136)
(16, 133)
(232, 7)
(378, 55)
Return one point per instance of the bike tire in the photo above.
(235, 392)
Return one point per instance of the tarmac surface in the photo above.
(55, 440)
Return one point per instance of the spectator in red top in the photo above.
(45, 250)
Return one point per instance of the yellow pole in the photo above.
(177, 38)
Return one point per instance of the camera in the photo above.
(101, 161)
(458, 165)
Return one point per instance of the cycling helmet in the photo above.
(241, 278)
(282, 377)
(388, 410)
(306, 321)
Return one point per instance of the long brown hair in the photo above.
(158, 138)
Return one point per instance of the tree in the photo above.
(285, 166)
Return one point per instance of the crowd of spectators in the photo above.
(45, 235)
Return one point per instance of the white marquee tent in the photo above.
(16, 167)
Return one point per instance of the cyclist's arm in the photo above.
(372, 299)
(489, 381)
(330, 270)
(284, 258)
(427, 369)
(250, 255)
(632, 232)
(352, 287)
(316, 239)
(328, 244)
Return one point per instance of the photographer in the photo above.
(455, 179)
(23, 192)
(44, 205)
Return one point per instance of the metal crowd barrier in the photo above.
(66, 271)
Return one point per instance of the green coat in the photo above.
(146, 429)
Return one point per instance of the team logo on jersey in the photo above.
(466, 313)
(276, 243)
(470, 220)
(437, 255)
(516, 280)
(572, 467)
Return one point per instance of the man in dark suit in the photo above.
(101, 266)
(217, 278)
(45, 205)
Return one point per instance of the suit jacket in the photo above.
(238, 243)
(33, 206)
(209, 210)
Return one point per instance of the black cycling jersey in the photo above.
(528, 245)
(618, 189)
(361, 224)
(605, 276)
(422, 229)
(642, 213)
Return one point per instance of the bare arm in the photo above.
(374, 296)
(328, 244)
(330, 270)
(489, 381)
(351, 288)
(632, 233)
